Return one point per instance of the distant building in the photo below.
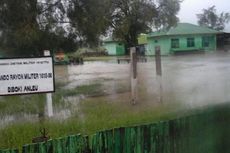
(114, 47)
(223, 41)
(142, 44)
(184, 37)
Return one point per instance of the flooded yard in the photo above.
(96, 96)
(187, 80)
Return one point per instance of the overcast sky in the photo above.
(189, 9)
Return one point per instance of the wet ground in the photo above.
(188, 80)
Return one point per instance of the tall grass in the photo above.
(31, 104)
(96, 114)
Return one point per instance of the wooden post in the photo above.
(49, 101)
(159, 70)
(133, 58)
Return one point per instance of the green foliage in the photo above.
(126, 19)
(30, 26)
(211, 19)
(90, 18)
(166, 14)
(133, 17)
(27, 28)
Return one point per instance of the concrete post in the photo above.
(159, 71)
(133, 58)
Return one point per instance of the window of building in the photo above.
(190, 42)
(156, 41)
(206, 41)
(175, 43)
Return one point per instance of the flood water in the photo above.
(190, 80)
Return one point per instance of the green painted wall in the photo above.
(165, 43)
(110, 47)
(114, 48)
(120, 49)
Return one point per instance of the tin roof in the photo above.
(184, 29)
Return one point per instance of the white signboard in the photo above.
(26, 75)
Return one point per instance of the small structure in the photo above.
(185, 37)
(114, 47)
(142, 44)
(61, 58)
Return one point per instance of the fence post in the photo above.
(49, 101)
(159, 70)
(133, 58)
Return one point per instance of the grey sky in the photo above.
(189, 9)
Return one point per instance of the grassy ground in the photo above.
(94, 116)
(31, 104)
(95, 113)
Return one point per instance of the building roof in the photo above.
(184, 29)
(110, 39)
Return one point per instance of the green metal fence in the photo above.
(205, 132)
(70, 144)
(9, 151)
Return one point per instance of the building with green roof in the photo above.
(184, 37)
(114, 47)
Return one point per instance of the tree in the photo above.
(18, 23)
(89, 19)
(211, 19)
(124, 18)
(166, 14)
(132, 17)
(28, 26)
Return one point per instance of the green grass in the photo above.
(17, 135)
(96, 114)
(34, 104)
(87, 90)
(31, 104)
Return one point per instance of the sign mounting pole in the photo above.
(49, 101)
